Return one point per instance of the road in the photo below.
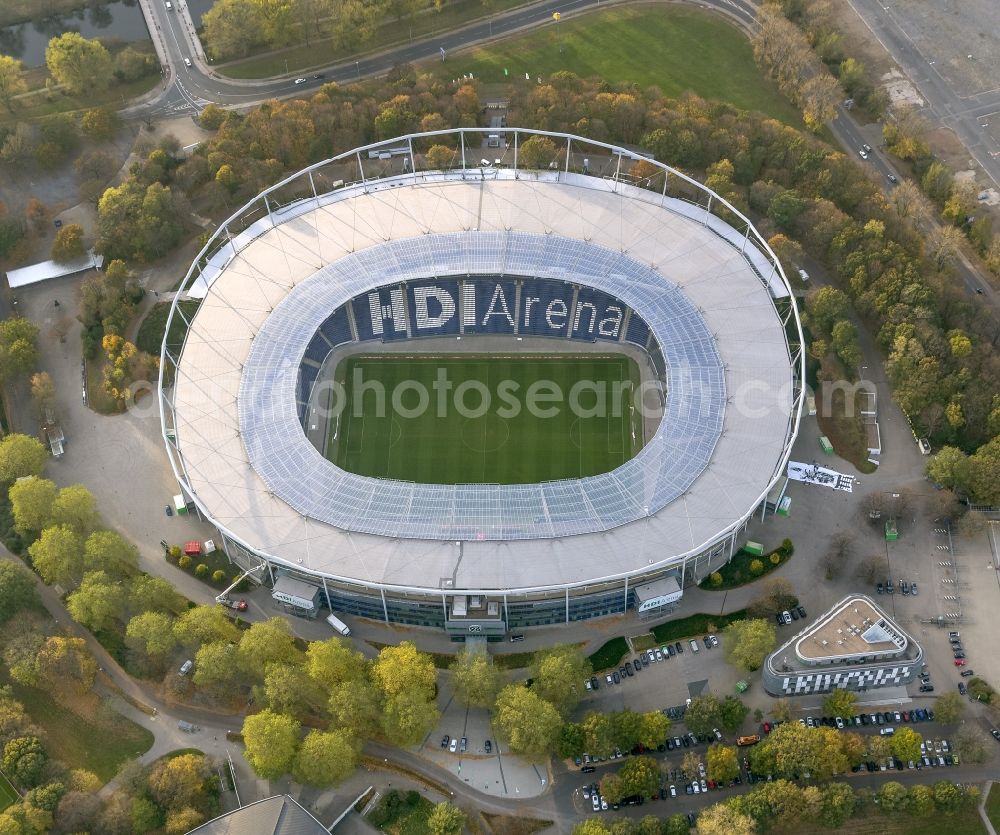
(962, 114)
(190, 88)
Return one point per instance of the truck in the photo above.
(229, 603)
(338, 624)
(748, 740)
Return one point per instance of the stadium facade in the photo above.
(598, 247)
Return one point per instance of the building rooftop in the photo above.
(279, 815)
(856, 627)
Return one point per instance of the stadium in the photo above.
(483, 394)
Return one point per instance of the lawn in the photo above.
(494, 433)
(150, 335)
(609, 654)
(737, 571)
(675, 49)
(7, 793)
(963, 822)
(80, 743)
(993, 807)
(402, 814)
(699, 624)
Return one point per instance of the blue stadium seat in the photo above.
(381, 314)
(336, 329)
(597, 316)
(545, 307)
(638, 331)
(433, 307)
(489, 304)
(317, 349)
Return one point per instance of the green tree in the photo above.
(76, 508)
(57, 556)
(703, 714)
(529, 723)
(536, 152)
(232, 28)
(23, 760)
(844, 341)
(825, 306)
(66, 666)
(271, 741)
(838, 803)
(104, 550)
(723, 819)
(153, 594)
(840, 702)
(45, 797)
(334, 661)
(475, 679)
(325, 758)
(949, 709)
(408, 716)
(446, 819)
(217, 665)
(153, 633)
(78, 63)
(404, 669)
(572, 740)
(749, 642)
(137, 221)
(559, 674)
(183, 820)
(920, 801)
(100, 123)
(798, 750)
(653, 728)
(288, 689)
(891, 796)
(722, 763)
(18, 355)
(355, 706)
(640, 775)
(31, 501)
(68, 244)
(179, 782)
(204, 624)
(12, 81)
(906, 744)
(267, 642)
(948, 796)
(732, 712)
(612, 788)
(17, 590)
(98, 601)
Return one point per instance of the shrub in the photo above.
(201, 570)
(219, 576)
(775, 558)
(786, 549)
(756, 567)
(184, 562)
(715, 578)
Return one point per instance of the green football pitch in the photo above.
(7, 793)
(454, 440)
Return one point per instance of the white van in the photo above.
(339, 625)
(803, 274)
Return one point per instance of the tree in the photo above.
(749, 642)
(98, 601)
(325, 759)
(43, 394)
(732, 712)
(440, 157)
(104, 550)
(837, 804)
(949, 709)
(723, 819)
(559, 673)
(177, 782)
(153, 633)
(640, 775)
(536, 152)
(798, 750)
(703, 714)
(612, 788)
(948, 796)
(267, 642)
(271, 743)
(232, 28)
(217, 665)
(154, 594)
(138, 221)
(66, 666)
(288, 689)
(840, 702)
(906, 744)
(204, 624)
(403, 669)
(408, 717)
(212, 116)
(722, 763)
(653, 728)
(18, 353)
(78, 63)
(776, 596)
(56, 555)
(475, 680)
(76, 508)
(45, 797)
(446, 819)
(871, 568)
(184, 820)
(528, 722)
(920, 801)
(100, 123)
(23, 760)
(355, 707)
(334, 661)
(890, 796)
(68, 245)
(12, 81)
(17, 590)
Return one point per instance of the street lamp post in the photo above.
(357, 67)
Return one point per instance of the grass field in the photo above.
(7, 793)
(675, 49)
(497, 445)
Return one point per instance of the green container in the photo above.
(891, 534)
(825, 445)
(754, 548)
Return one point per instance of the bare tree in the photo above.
(943, 506)
(838, 555)
(872, 506)
(871, 568)
(971, 525)
(776, 596)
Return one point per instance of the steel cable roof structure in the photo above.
(713, 296)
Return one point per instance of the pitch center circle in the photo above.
(485, 434)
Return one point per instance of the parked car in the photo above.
(445, 740)
(959, 662)
(718, 734)
(801, 611)
(892, 178)
(714, 639)
(962, 690)
(878, 588)
(887, 731)
(454, 746)
(678, 647)
(462, 745)
(926, 688)
(787, 616)
(913, 589)
(488, 747)
(694, 645)
(707, 641)
(615, 677)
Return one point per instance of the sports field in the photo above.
(434, 429)
(7, 793)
